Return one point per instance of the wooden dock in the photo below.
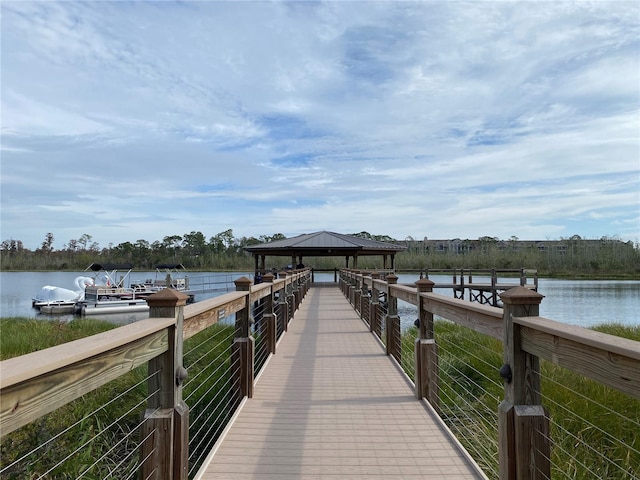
(332, 405)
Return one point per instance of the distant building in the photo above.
(459, 246)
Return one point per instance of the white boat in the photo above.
(109, 293)
(167, 276)
(57, 300)
(113, 292)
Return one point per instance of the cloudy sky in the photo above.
(444, 119)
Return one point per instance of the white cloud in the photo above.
(439, 119)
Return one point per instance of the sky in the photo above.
(440, 119)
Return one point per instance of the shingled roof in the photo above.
(324, 244)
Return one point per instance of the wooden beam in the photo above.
(24, 402)
(608, 359)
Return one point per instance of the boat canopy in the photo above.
(97, 267)
(170, 266)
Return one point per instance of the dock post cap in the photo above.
(167, 297)
(425, 285)
(392, 278)
(268, 277)
(243, 283)
(521, 296)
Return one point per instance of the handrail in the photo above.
(523, 425)
(53, 377)
(611, 360)
(19, 369)
(476, 316)
(37, 383)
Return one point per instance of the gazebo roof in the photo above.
(325, 244)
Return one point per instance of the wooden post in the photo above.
(365, 301)
(494, 288)
(426, 351)
(523, 425)
(357, 292)
(295, 293)
(269, 317)
(392, 320)
(284, 303)
(375, 303)
(291, 304)
(243, 348)
(165, 429)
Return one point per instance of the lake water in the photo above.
(577, 302)
(18, 288)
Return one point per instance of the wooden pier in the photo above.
(330, 401)
(332, 404)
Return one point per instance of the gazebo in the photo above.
(323, 244)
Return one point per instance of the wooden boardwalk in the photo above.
(330, 404)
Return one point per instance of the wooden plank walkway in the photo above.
(330, 404)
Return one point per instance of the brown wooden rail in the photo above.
(524, 439)
(38, 383)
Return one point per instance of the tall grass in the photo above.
(19, 336)
(590, 423)
(104, 438)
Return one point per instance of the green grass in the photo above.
(581, 410)
(19, 336)
(115, 450)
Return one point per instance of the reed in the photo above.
(590, 423)
(104, 438)
(21, 335)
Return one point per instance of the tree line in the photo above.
(223, 251)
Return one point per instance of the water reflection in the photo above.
(577, 302)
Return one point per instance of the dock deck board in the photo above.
(330, 404)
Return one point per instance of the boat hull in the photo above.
(86, 309)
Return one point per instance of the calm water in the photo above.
(17, 289)
(577, 302)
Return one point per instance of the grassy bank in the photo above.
(582, 412)
(589, 422)
(19, 336)
(98, 433)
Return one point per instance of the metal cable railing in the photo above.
(589, 438)
(104, 440)
(211, 390)
(259, 329)
(601, 440)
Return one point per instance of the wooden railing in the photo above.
(38, 383)
(523, 425)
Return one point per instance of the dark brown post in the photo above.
(426, 351)
(165, 430)
(365, 300)
(243, 348)
(374, 306)
(523, 425)
(291, 300)
(357, 292)
(284, 303)
(494, 288)
(392, 320)
(295, 292)
(269, 317)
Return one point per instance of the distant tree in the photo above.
(194, 243)
(47, 245)
(84, 240)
